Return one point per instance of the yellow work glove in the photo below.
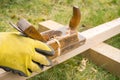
(23, 55)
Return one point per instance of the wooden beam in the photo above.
(11, 76)
(93, 36)
(49, 24)
(105, 56)
(2, 71)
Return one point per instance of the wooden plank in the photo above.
(105, 56)
(108, 51)
(2, 71)
(50, 25)
(93, 36)
(11, 76)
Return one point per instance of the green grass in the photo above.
(114, 41)
(94, 12)
(69, 70)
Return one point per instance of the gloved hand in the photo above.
(23, 55)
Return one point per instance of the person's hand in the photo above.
(23, 55)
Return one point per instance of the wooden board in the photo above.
(93, 36)
(2, 71)
(105, 56)
(52, 25)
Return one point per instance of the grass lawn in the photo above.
(94, 12)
